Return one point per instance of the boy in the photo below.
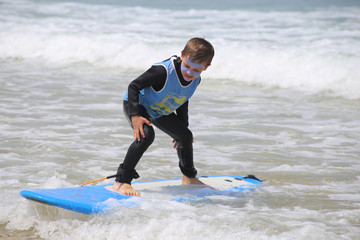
(152, 98)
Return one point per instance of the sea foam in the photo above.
(316, 52)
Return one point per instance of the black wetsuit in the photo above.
(174, 124)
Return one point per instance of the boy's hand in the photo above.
(138, 123)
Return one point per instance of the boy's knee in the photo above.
(187, 136)
(149, 135)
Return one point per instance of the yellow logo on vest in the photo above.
(168, 104)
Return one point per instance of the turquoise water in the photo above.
(281, 101)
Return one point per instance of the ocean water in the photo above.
(281, 101)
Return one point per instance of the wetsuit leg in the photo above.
(175, 128)
(126, 171)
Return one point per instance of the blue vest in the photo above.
(170, 97)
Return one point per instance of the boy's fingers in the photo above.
(138, 123)
(137, 132)
(136, 135)
(142, 132)
(147, 122)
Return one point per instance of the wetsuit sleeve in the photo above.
(182, 113)
(155, 77)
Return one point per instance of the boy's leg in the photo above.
(175, 128)
(126, 171)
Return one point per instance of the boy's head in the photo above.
(199, 50)
(196, 57)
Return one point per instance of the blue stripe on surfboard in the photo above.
(79, 199)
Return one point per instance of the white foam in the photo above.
(307, 71)
(303, 51)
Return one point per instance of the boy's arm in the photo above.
(155, 77)
(182, 113)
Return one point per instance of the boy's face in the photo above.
(191, 70)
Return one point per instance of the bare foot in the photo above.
(188, 181)
(125, 188)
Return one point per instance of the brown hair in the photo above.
(199, 50)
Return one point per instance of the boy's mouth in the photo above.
(188, 76)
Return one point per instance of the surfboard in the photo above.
(101, 198)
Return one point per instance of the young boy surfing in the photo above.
(160, 97)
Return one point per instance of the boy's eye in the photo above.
(188, 67)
